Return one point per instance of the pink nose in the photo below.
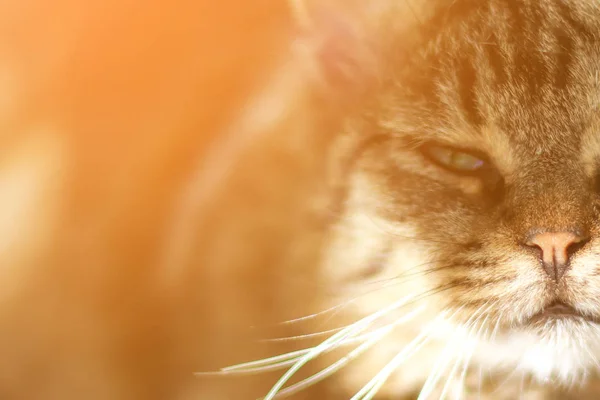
(556, 250)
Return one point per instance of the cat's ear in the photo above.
(335, 41)
(347, 41)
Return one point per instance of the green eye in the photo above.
(454, 159)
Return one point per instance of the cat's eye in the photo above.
(456, 160)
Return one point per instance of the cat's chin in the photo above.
(555, 349)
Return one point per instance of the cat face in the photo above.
(474, 201)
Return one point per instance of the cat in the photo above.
(458, 255)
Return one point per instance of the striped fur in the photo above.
(516, 82)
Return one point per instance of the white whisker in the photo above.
(315, 315)
(373, 338)
(522, 386)
(267, 361)
(445, 358)
(508, 378)
(372, 387)
(496, 327)
(262, 365)
(353, 329)
(450, 377)
(480, 383)
(333, 309)
(461, 357)
(333, 368)
(289, 359)
(302, 337)
(467, 360)
(434, 376)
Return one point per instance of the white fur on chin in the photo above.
(559, 353)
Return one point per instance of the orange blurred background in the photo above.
(104, 108)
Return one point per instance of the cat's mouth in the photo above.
(557, 310)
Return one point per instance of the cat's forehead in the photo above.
(520, 75)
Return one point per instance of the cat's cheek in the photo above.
(366, 251)
(370, 256)
(365, 264)
(360, 239)
(582, 281)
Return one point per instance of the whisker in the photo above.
(345, 336)
(310, 316)
(374, 385)
(445, 358)
(467, 361)
(496, 327)
(591, 355)
(302, 337)
(434, 376)
(404, 355)
(317, 350)
(461, 357)
(338, 306)
(450, 376)
(254, 366)
(250, 370)
(505, 381)
(428, 240)
(402, 278)
(333, 212)
(480, 382)
(390, 282)
(287, 359)
(429, 292)
(333, 368)
(522, 386)
(422, 296)
(373, 338)
(409, 272)
(279, 361)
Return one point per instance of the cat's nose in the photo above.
(556, 250)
